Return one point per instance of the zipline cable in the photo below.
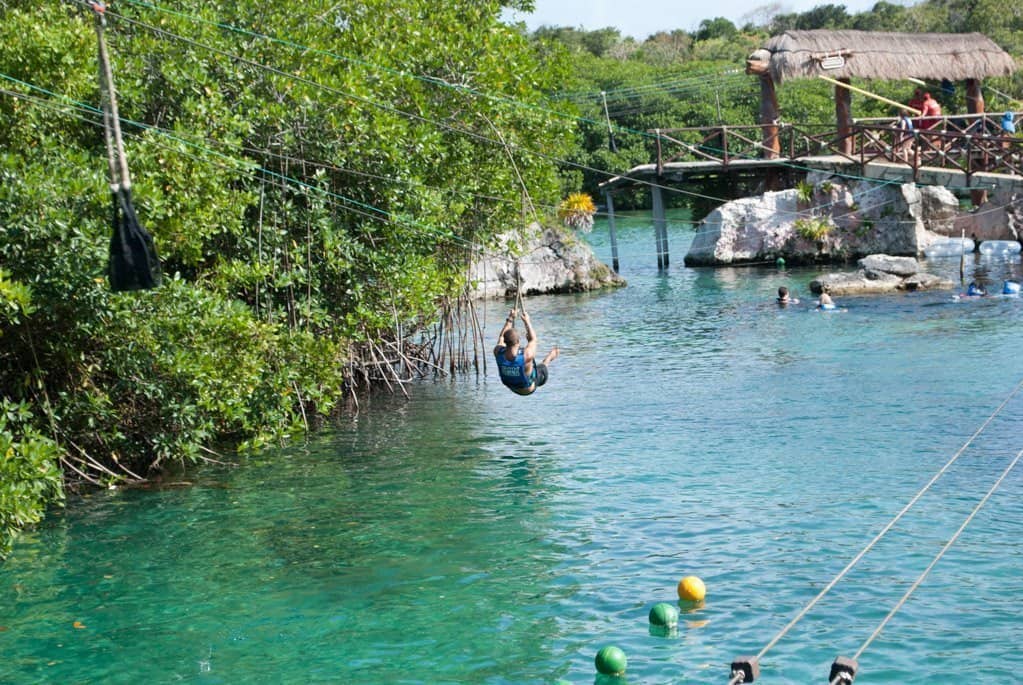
(421, 118)
(431, 80)
(855, 560)
(394, 110)
(345, 202)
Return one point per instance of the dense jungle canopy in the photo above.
(316, 177)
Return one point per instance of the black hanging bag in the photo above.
(133, 262)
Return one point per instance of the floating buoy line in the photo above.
(611, 660)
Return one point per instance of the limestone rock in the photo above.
(880, 273)
(549, 260)
(1000, 218)
(899, 266)
(851, 220)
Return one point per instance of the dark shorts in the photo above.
(541, 373)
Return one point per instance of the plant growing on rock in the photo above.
(813, 228)
(804, 192)
(576, 211)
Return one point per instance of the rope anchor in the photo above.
(745, 669)
(843, 671)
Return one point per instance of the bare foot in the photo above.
(552, 355)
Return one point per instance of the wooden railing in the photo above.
(968, 143)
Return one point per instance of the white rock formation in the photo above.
(862, 218)
(547, 260)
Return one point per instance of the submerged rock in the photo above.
(880, 273)
(546, 261)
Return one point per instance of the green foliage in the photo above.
(716, 28)
(311, 194)
(813, 228)
(29, 476)
(804, 192)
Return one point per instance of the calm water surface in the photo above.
(470, 536)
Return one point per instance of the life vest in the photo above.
(513, 373)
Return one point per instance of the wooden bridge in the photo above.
(969, 152)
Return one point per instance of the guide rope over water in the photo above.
(746, 669)
(133, 262)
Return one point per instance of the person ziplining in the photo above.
(518, 367)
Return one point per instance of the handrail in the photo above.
(948, 144)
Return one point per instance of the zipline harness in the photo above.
(133, 264)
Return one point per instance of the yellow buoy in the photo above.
(691, 589)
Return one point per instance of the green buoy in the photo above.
(611, 661)
(780, 262)
(663, 614)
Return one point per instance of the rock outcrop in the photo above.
(880, 273)
(1000, 218)
(826, 220)
(546, 261)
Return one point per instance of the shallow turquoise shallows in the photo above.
(691, 427)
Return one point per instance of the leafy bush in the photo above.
(308, 213)
(30, 477)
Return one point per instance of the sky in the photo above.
(641, 18)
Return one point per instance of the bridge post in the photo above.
(611, 229)
(843, 116)
(975, 105)
(660, 227)
(769, 118)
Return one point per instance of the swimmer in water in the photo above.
(784, 298)
(825, 301)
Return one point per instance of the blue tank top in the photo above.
(513, 373)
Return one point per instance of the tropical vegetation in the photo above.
(316, 177)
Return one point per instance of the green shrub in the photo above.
(804, 192)
(813, 228)
(30, 476)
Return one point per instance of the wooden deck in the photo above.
(882, 170)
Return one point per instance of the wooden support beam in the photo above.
(769, 116)
(843, 115)
(660, 227)
(609, 199)
(975, 105)
(974, 96)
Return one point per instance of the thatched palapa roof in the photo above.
(880, 55)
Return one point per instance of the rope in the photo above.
(888, 527)
(922, 576)
(454, 129)
(334, 199)
(119, 175)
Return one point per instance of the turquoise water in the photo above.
(470, 536)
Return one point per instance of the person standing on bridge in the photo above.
(917, 101)
(1008, 123)
(520, 372)
(905, 135)
(931, 110)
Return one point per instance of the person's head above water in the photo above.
(511, 337)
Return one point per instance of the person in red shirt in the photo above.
(917, 101)
(931, 112)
